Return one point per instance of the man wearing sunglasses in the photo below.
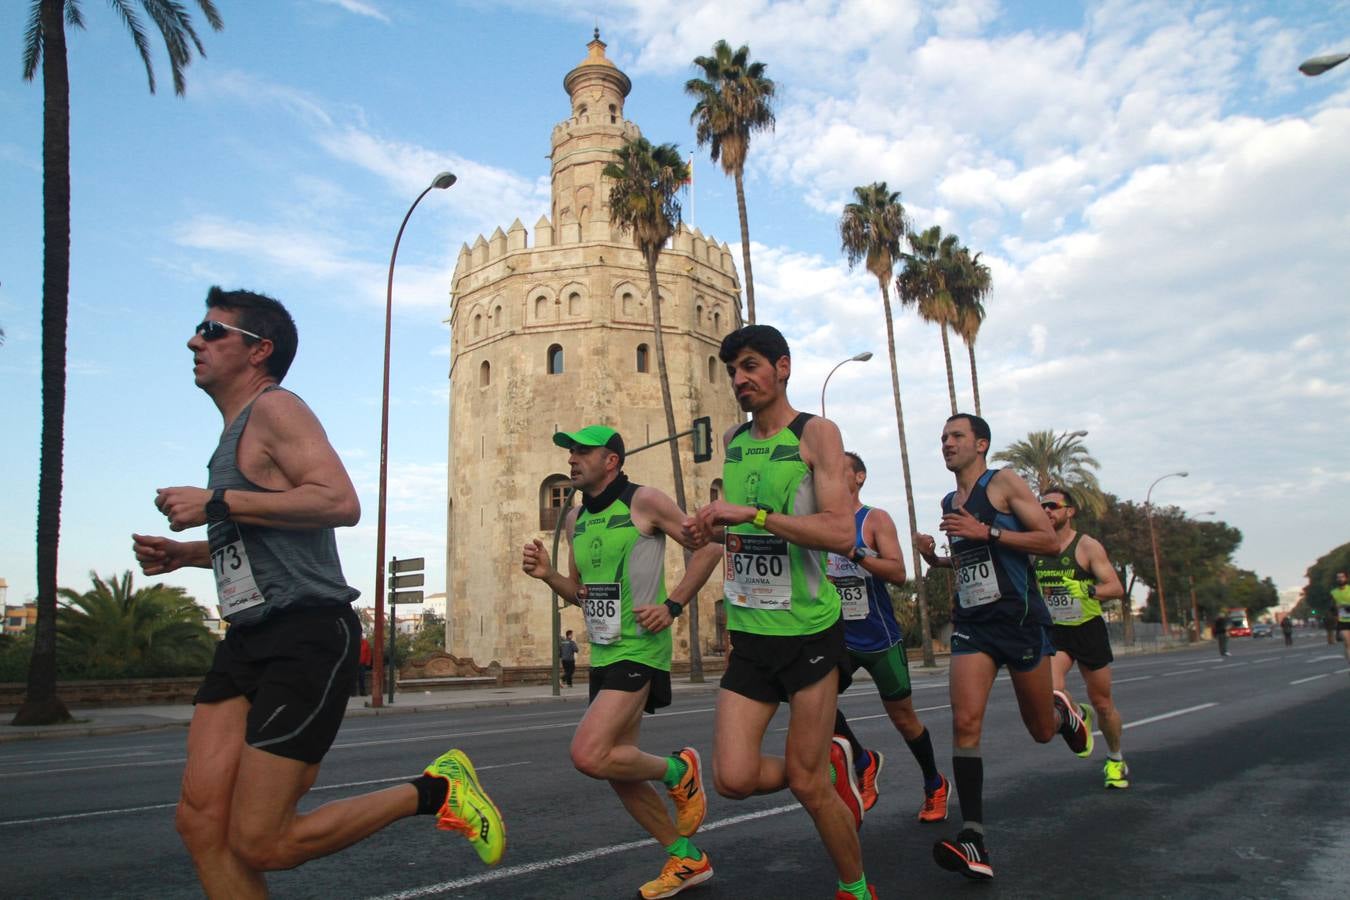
(1074, 582)
(272, 702)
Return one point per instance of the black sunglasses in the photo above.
(211, 330)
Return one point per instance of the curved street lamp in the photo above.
(440, 182)
(860, 357)
(1153, 538)
(1319, 64)
(1195, 606)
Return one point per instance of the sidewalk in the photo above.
(124, 719)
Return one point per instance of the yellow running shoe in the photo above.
(1117, 773)
(467, 808)
(691, 803)
(677, 874)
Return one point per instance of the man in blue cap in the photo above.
(616, 574)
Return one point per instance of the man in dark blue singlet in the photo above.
(994, 524)
(875, 643)
(271, 704)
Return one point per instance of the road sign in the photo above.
(407, 565)
(407, 581)
(404, 598)
(702, 439)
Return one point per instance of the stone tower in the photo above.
(556, 334)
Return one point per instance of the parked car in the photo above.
(1263, 629)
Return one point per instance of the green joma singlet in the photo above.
(771, 586)
(621, 568)
(1341, 597)
(1054, 573)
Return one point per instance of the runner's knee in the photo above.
(200, 827)
(735, 784)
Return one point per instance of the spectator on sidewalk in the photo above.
(567, 650)
(1220, 629)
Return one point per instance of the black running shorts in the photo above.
(1088, 644)
(771, 668)
(630, 677)
(296, 668)
(1019, 647)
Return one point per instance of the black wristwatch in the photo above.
(675, 608)
(1092, 591)
(217, 510)
(995, 533)
(860, 553)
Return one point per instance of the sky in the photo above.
(1161, 197)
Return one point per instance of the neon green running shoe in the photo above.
(467, 808)
(1117, 774)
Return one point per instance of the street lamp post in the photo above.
(440, 182)
(1153, 538)
(861, 357)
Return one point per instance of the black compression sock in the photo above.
(841, 728)
(968, 773)
(431, 792)
(922, 748)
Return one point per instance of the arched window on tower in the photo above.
(540, 308)
(477, 325)
(497, 316)
(642, 358)
(552, 497)
(613, 114)
(581, 112)
(627, 304)
(555, 359)
(712, 369)
(717, 321)
(715, 492)
(485, 374)
(574, 304)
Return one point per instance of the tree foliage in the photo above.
(44, 45)
(115, 631)
(1046, 458)
(733, 99)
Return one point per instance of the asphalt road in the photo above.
(1237, 791)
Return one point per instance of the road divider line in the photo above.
(1315, 677)
(1128, 680)
(1170, 674)
(1168, 715)
(881, 715)
(571, 859)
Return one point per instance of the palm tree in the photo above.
(734, 100)
(925, 282)
(1046, 458)
(45, 44)
(870, 230)
(114, 631)
(642, 201)
(971, 289)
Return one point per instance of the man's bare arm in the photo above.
(1038, 535)
(1108, 582)
(890, 564)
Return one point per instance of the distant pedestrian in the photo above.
(567, 650)
(1220, 629)
(1287, 626)
(363, 670)
(1340, 595)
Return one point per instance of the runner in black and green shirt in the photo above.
(786, 505)
(1074, 582)
(616, 573)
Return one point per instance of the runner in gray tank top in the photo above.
(274, 698)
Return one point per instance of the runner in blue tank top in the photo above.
(994, 523)
(876, 644)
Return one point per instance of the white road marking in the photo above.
(1195, 662)
(1315, 677)
(1128, 680)
(881, 715)
(571, 859)
(1170, 674)
(1168, 715)
(1323, 658)
(326, 787)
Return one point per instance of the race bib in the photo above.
(1344, 613)
(602, 606)
(849, 580)
(236, 590)
(758, 575)
(976, 580)
(1063, 606)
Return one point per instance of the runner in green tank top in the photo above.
(786, 504)
(1340, 600)
(616, 573)
(1074, 582)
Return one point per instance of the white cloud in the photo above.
(358, 7)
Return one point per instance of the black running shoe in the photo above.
(965, 854)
